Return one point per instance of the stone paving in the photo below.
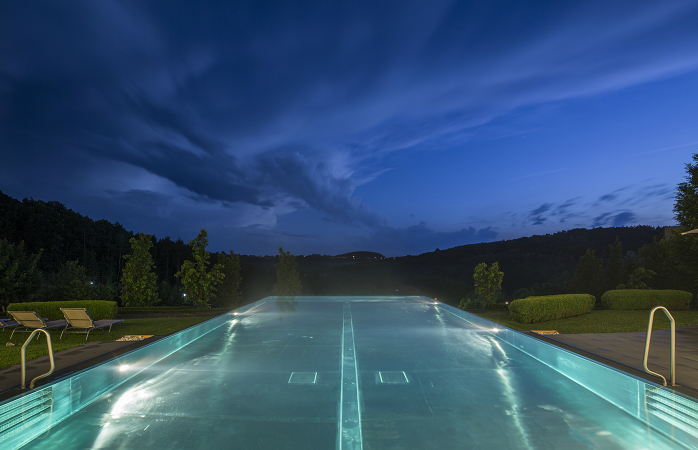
(628, 349)
(66, 361)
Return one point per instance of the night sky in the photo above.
(327, 127)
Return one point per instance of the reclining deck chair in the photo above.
(30, 321)
(79, 318)
(8, 323)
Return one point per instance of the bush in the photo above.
(550, 307)
(98, 309)
(646, 299)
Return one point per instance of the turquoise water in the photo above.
(353, 373)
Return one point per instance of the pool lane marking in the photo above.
(350, 437)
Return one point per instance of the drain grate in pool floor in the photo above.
(393, 377)
(303, 378)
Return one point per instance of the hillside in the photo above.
(538, 263)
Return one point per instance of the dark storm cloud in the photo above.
(624, 218)
(283, 106)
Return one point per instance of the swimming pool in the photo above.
(350, 373)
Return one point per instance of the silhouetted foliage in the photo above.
(229, 289)
(588, 278)
(139, 282)
(614, 266)
(537, 265)
(199, 281)
(686, 200)
(19, 277)
(288, 283)
(488, 281)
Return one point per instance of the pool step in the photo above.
(676, 410)
(16, 417)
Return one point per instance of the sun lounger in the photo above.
(7, 323)
(30, 321)
(78, 318)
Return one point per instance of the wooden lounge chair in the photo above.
(30, 321)
(78, 318)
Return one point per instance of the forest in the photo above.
(72, 248)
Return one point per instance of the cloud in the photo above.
(624, 218)
(270, 109)
(537, 215)
(615, 220)
(417, 239)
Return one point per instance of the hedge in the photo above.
(550, 307)
(98, 309)
(646, 299)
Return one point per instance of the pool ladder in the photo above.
(24, 358)
(673, 345)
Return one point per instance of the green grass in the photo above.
(602, 321)
(37, 347)
(170, 309)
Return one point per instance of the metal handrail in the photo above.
(24, 359)
(673, 345)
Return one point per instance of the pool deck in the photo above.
(67, 361)
(623, 351)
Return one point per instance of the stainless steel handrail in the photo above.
(24, 359)
(673, 345)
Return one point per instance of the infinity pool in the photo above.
(351, 373)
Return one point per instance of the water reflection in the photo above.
(287, 305)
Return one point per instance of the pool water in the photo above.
(360, 373)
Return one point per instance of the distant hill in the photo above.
(544, 263)
(360, 255)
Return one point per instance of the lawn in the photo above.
(601, 321)
(137, 326)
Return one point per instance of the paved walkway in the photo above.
(66, 361)
(626, 351)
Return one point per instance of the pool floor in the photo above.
(350, 375)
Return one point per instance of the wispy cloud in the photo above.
(267, 110)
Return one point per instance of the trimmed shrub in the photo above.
(550, 307)
(646, 299)
(98, 309)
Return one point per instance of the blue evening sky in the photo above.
(327, 127)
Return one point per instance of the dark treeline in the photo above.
(537, 265)
(532, 266)
(64, 235)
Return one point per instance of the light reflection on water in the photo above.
(464, 386)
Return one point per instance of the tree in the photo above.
(683, 250)
(288, 282)
(19, 277)
(488, 282)
(71, 283)
(138, 281)
(588, 278)
(614, 265)
(199, 282)
(229, 290)
(637, 278)
(686, 204)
